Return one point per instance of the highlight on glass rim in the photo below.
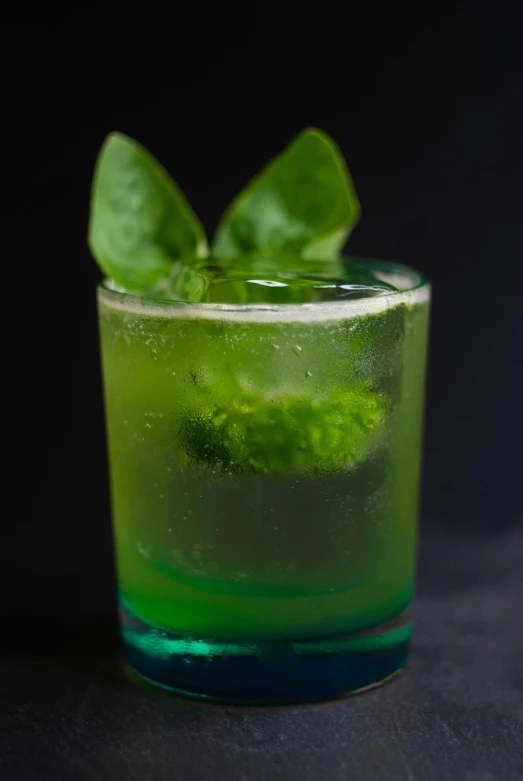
(264, 405)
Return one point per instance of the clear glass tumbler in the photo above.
(265, 468)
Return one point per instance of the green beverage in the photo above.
(264, 441)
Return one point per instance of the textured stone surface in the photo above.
(457, 713)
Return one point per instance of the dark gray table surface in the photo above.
(457, 713)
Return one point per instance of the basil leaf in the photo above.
(140, 221)
(303, 202)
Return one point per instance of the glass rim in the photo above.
(148, 305)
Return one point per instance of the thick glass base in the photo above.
(278, 671)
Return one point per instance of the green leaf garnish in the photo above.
(142, 229)
(303, 202)
(140, 222)
(297, 212)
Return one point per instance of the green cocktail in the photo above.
(264, 448)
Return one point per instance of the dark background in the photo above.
(428, 110)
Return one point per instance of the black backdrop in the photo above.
(428, 111)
